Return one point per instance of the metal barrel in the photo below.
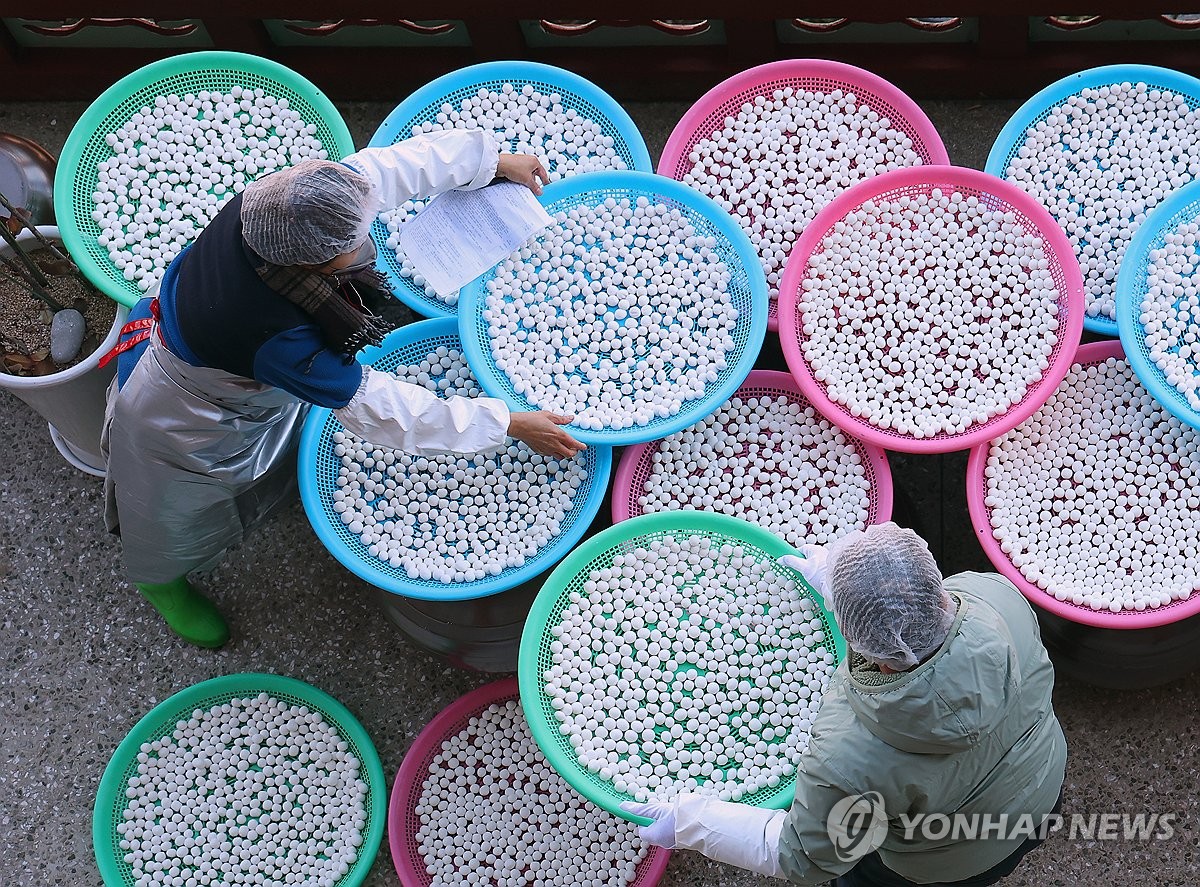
(1121, 659)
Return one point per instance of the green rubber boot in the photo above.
(190, 614)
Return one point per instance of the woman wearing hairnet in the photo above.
(255, 321)
(941, 707)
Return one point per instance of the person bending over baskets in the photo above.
(252, 324)
(942, 707)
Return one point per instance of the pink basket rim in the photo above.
(411, 775)
(634, 457)
(817, 68)
(695, 117)
(932, 176)
(1094, 352)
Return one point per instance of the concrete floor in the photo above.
(85, 658)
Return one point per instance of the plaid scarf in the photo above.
(335, 303)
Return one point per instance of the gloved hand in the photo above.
(524, 169)
(660, 832)
(739, 834)
(542, 431)
(813, 568)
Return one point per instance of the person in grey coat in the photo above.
(940, 714)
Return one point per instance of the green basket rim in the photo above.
(87, 128)
(529, 674)
(159, 721)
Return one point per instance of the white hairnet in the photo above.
(309, 213)
(887, 595)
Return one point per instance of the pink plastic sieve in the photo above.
(999, 195)
(1086, 355)
(637, 461)
(403, 823)
(813, 75)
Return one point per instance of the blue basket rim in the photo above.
(1167, 215)
(1056, 93)
(365, 566)
(473, 75)
(471, 299)
(420, 304)
(396, 126)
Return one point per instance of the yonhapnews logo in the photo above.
(857, 825)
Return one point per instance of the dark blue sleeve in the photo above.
(297, 361)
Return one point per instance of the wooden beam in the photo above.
(1002, 62)
(313, 10)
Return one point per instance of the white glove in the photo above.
(738, 834)
(661, 831)
(814, 570)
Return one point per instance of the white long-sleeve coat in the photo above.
(198, 455)
(385, 410)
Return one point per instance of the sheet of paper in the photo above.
(461, 234)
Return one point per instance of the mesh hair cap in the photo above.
(888, 596)
(309, 213)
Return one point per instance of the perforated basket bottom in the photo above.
(745, 293)
(408, 346)
(632, 488)
(403, 821)
(711, 113)
(540, 710)
(729, 105)
(1176, 609)
(161, 721)
(614, 123)
(179, 76)
(1151, 374)
(1034, 394)
(1010, 144)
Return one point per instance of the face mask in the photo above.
(366, 255)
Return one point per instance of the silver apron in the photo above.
(196, 457)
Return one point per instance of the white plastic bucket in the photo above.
(71, 401)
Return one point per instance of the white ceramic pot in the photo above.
(71, 401)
